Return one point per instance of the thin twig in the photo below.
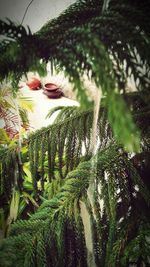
(105, 5)
(26, 11)
(95, 121)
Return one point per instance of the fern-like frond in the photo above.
(56, 232)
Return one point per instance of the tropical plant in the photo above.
(103, 197)
(16, 190)
(109, 44)
(6, 112)
(62, 169)
(55, 235)
(13, 111)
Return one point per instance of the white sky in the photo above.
(39, 12)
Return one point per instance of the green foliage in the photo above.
(109, 46)
(124, 128)
(4, 137)
(58, 213)
(52, 152)
(13, 112)
(18, 53)
(55, 233)
(139, 247)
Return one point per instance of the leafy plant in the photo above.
(13, 110)
(55, 233)
(108, 45)
(109, 42)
